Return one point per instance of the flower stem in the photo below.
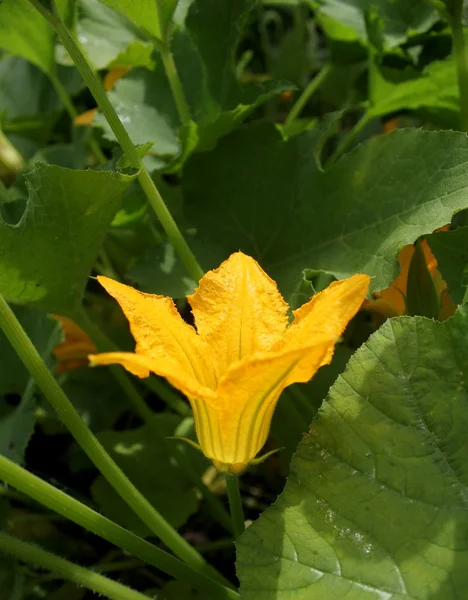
(89, 443)
(66, 569)
(71, 110)
(164, 47)
(175, 83)
(235, 504)
(151, 191)
(307, 93)
(461, 59)
(79, 513)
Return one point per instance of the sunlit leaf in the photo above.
(376, 505)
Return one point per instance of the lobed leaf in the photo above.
(376, 505)
(272, 200)
(45, 259)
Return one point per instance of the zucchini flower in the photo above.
(234, 365)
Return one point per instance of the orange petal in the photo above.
(113, 75)
(326, 315)
(85, 118)
(73, 352)
(161, 334)
(238, 310)
(232, 429)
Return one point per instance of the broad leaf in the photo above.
(376, 505)
(272, 200)
(24, 32)
(152, 16)
(451, 251)
(108, 38)
(143, 455)
(46, 258)
(96, 396)
(159, 271)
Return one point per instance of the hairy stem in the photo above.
(66, 569)
(79, 513)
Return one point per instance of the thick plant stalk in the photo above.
(461, 59)
(70, 508)
(235, 504)
(66, 569)
(95, 451)
(152, 193)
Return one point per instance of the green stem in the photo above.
(66, 569)
(235, 504)
(170, 68)
(92, 447)
(79, 513)
(461, 59)
(348, 139)
(175, 83)
(307, 93)
(71, 110)
(152, 193)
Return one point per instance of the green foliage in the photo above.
(376, 503)
(343, 220)
(451, 251)
(151, 17)
(109, 38)
(44, 333)
(260, 123)
(397, 20)
(47, 256)
(205, 61)
(144, 454)
(23, 32)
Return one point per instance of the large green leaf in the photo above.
(142, 453)
(451, 251)
(24, 32)
(45, 259)
(152, 16)
(399, 19)
(108, 37)
(376, 506)
(271, 199)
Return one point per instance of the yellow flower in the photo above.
(242, 354)
(73, 352)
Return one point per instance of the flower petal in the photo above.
(161, 334)
(326, 315)
(232, 429)
(238, 310)
(141, 366)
